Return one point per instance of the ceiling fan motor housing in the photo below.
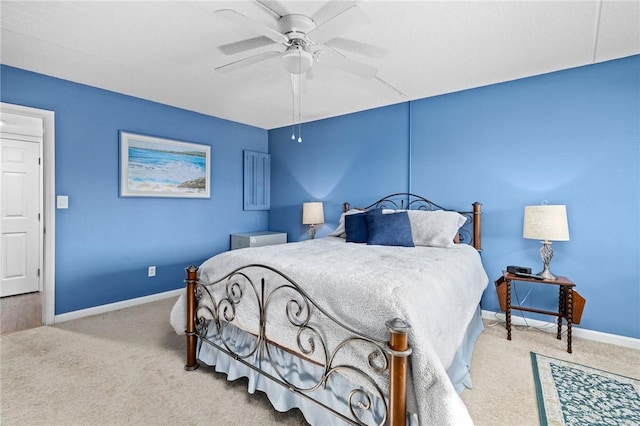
(296, 59)
(296, 26)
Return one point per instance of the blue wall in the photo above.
(570, 137)
(105, 243)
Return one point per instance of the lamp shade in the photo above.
(312, 213)
(546, 223)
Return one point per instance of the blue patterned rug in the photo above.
(573, 394)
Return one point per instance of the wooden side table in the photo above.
(565, 301)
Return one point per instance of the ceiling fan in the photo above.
(304, 42)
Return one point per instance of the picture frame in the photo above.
(157, 167)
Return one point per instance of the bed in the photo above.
(349, 328)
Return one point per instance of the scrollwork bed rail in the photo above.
(210, 311)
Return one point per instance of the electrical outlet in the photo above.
(152, 271)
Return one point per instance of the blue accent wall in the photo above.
(570, 137)
(352, 158)
(104, 243)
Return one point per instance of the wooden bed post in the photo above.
(192, 339)
(399, 351)
(477, 213)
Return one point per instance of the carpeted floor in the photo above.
(504, 389)
(125, 367)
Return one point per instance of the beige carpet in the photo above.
(125, 367)
(503, 386)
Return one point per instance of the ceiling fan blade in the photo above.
(331, 8)
(247, 61)
(343, 22)
(354, 46)
(274, 7)
(255, 26)
(244, 45)
(333, 59)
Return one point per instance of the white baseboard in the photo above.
(115, 306)
(598, 336)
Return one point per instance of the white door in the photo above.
(20, 203)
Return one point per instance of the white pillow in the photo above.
(435, 228)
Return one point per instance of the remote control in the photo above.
(537, 277)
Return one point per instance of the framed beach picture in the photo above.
(156, 167)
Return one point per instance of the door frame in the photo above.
(48, 202)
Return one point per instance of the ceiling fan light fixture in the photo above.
(296, 60)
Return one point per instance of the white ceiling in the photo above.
(167, 51)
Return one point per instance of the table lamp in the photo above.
(546, 223)
(312, 215)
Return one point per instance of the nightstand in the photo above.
(568, 308)
(257, 239)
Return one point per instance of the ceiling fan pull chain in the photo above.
(299, 98)
(293, 111)
(293, 116)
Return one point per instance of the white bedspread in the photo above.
(435, 290)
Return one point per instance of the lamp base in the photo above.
(312, 232)
(546, 274)
(546, 253)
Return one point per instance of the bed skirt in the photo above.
(304, 374)
(460, 370)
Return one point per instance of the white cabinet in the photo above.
(257, 239)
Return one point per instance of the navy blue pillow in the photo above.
(355, 226)
(392, 229)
